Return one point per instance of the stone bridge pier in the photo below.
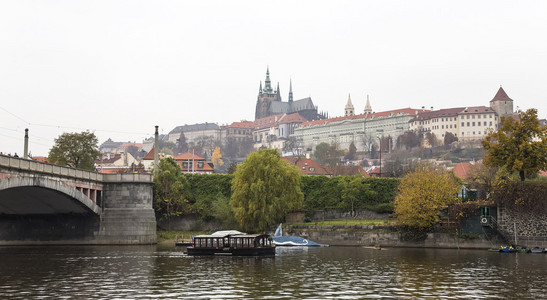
(48, 204)
(127, 216)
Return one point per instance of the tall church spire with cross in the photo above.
(290, 92)
(268, 82)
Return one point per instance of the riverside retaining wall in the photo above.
(385, 236)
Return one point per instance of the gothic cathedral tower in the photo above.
(266, 96)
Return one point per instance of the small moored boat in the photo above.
(292, 241)
(537, 250)
(509, 249)
(232, 243)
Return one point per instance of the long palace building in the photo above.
(362, 129)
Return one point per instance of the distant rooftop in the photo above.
(194, 127)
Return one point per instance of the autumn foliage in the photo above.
(422, 193)
(518, 145)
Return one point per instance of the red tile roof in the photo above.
(138, 145)
(275, 120)
(374, 172)
(462, 169)
(292, 118)
(501, 95)
(110, 160)
(388, 113)
(149, 155)
(267, 121)
(306, 165)
(195, 162)
(428, 114)
(242, 124)
(40, 159)
(188, 156)
(477, 110)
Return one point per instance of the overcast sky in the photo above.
(120, 67)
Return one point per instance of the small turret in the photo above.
(502, 104)
(349, 110)
(368, 109)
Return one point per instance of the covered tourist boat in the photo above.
(232, 243)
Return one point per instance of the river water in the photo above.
(165, 272)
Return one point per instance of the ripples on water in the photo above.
(151, 272)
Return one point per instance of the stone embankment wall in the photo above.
(385, 236)
(321, 215)
(189, 222)
(530, 226)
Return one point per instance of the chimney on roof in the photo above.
(431, 108)
(423, 108)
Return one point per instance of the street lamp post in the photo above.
(380, 139)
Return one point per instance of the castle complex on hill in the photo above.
(299, 122)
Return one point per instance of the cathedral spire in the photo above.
(290, 92)
(368, 109)
(267, 83)
(260, 88)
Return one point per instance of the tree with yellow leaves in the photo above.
(422, 193)
(217, 158)
(518, 145)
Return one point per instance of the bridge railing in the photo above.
(45, 168)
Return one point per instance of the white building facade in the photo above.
(362, 129)
(466, 123)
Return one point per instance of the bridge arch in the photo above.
(23, 195)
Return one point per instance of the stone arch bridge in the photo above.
(49, 204)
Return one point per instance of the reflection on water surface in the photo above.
(162, 272)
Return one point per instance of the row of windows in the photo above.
(188, 165)
(453, 119)
(478, 116)
(234, 131)
(443, 126)
(478, 124)
(469, 133)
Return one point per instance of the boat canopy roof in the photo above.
(226, 232)
(229, 233)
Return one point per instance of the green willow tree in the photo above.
(264, 189)
(78, 150)
(170, 190)
(518, 145)
(422, 193)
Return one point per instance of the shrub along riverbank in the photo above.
(209, 195)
